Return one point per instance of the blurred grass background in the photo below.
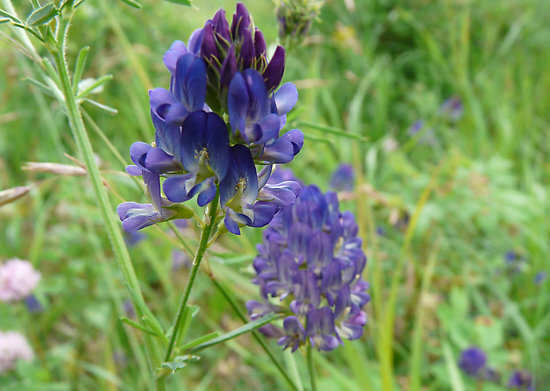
(438, 209)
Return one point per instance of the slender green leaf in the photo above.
(132, 3)
(136, 325)
(237, 332)
(180, 2)
(79, 67)
(9, 16)
(92, 85)
(199, 340)
(42, 15)
(109, 109)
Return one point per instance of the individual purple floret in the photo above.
(472, 361)
(522, 380)
(221, 117)
(343, 178)
(452, 107)
(309, 268)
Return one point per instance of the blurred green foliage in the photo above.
(437, 209)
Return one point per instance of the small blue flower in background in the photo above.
(540, 277)
(223, 72)
(472, 361)
(416, 127)
(522, 380)
(343, 178)
(452, 107)
(33, 305)
(309, 268)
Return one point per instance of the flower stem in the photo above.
(310, 368)
(203, 244)
(85, 147)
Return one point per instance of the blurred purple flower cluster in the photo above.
(309, 268)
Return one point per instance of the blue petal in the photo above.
(160, 162)
(170, 58)
(136, 216)
(133, 170)
(259, 102)
(231, 225)
(269, 126)
(152, 182)
(241, 167)
(263, 213)
(167, 136)
(190, 83)
(195, 41)
(279, 151)
(159, 100)
(286, 98)
(207, 195)
(138, 152)
(208, 131)
(238, 101)
(174, 188)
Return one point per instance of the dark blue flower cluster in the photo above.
(472, 360)
(309, 268)
(223, 72)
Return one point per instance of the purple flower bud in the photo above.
(472, 360)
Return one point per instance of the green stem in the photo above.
(255, 334)
(83, 143)
(310, 368)
(205, 235)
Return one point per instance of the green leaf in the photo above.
(138, 326)
(88, 86)
(42, 15)
(79, 67)
(237, 332)
(180, 2)
(109, 109)
(132, 3)
(9, 16)
(199, 340)
(179, 362)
